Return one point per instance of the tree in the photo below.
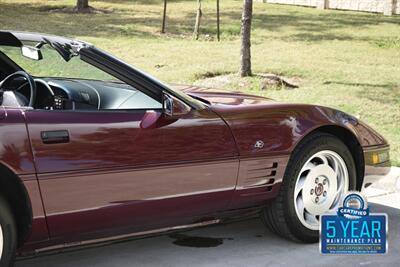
(245, 33)
(164, 17)
(198, 19)
(218, 22)
(82, 5)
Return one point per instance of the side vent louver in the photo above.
(259, 174)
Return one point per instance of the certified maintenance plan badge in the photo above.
(353, 230)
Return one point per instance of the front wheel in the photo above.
(321, 170)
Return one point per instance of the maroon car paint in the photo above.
(39, 230)
(259, 180)
(254, 118)
(146, 174)
(15, 153)
(294, 119)
(15, 149)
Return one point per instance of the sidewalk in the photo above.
(387, 191)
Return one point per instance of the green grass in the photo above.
(345, 60)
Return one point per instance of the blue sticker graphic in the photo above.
(353, 230)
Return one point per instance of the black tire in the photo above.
(7, 225)
(280, 215)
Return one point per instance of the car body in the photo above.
(76, 173)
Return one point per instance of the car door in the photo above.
(138, 169)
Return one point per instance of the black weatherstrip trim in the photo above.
(128, 74)
(8, 39)
(120, 71)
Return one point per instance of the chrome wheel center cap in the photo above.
(319, 189)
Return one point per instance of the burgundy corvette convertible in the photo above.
(94, 150)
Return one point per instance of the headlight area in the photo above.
(377, 156)
(377, 164)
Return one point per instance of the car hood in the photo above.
(253, 117)
(222, 97)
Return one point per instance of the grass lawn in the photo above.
(345, 60)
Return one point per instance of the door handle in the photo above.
(55, 137)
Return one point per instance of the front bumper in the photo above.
(377, 164)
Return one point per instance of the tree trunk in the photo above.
(164, 17)
(218, 22)
(82, 5)
(245, 51)
(198, 19)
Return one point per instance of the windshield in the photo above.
(53, 65)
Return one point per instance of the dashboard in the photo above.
(77, 94)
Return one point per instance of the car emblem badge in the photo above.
(259, 144)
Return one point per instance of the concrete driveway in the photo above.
(245, 243)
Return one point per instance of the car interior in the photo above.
(58, 93)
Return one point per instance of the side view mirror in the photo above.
(31, 52)
(174, 107)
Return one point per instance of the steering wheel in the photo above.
(29, 80)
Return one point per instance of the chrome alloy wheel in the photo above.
(1, 241)
(321, 183)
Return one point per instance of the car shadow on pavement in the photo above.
(244, 243)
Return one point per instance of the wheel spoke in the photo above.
(299, 185)
(307, 167)
(300, 205)
(334, 203)
(340, 187)
(338, 194)
(336, 167)
(324, 159)
(311, 218)
(1, 241)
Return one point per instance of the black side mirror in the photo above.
(174, 107)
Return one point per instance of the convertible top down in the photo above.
(93, 150)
